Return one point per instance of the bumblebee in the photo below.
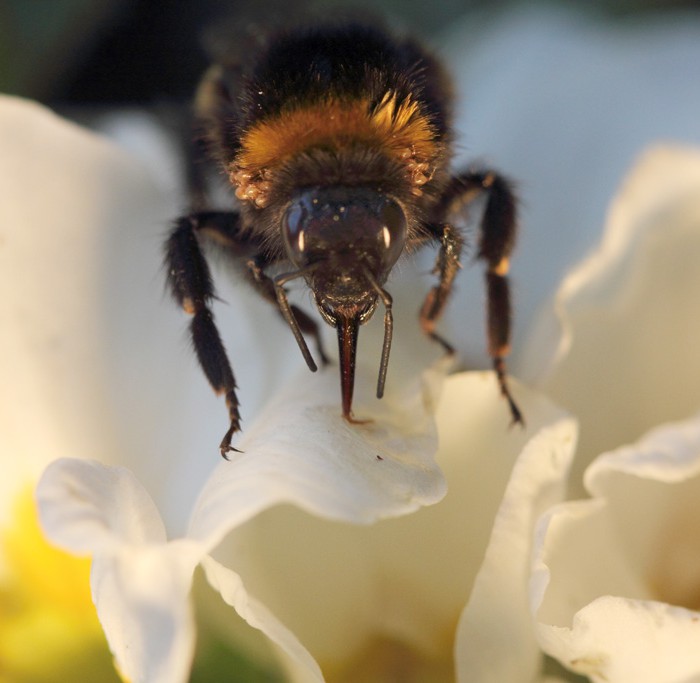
(336, 142)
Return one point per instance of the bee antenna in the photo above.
(288, 314)
(388, 331)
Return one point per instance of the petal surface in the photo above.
(300, 450)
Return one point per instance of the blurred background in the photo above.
(562, 95)
(112, 52)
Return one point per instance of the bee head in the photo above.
(346, 240)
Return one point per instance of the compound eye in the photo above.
(344, 224)
(393, 235)
(295, 223)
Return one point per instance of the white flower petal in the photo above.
(142, 599)
(87, 507)
(86, 329)
(607, 618)
(300, 450)
(655, 191)
(140, 583)
(614, 640)
(47, 267)
(564, 578)
(652, 490)
(64, 192)
(495, 640)
(229, 584)
(670, 453)
(628, 310)
(401, 581)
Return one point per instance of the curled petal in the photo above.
(632, 613)
(140, 584)
(653, 208)
(670, 453)
(232, 590)
(495, 641)
(628, 360)
(616, 639)
(87, 507)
